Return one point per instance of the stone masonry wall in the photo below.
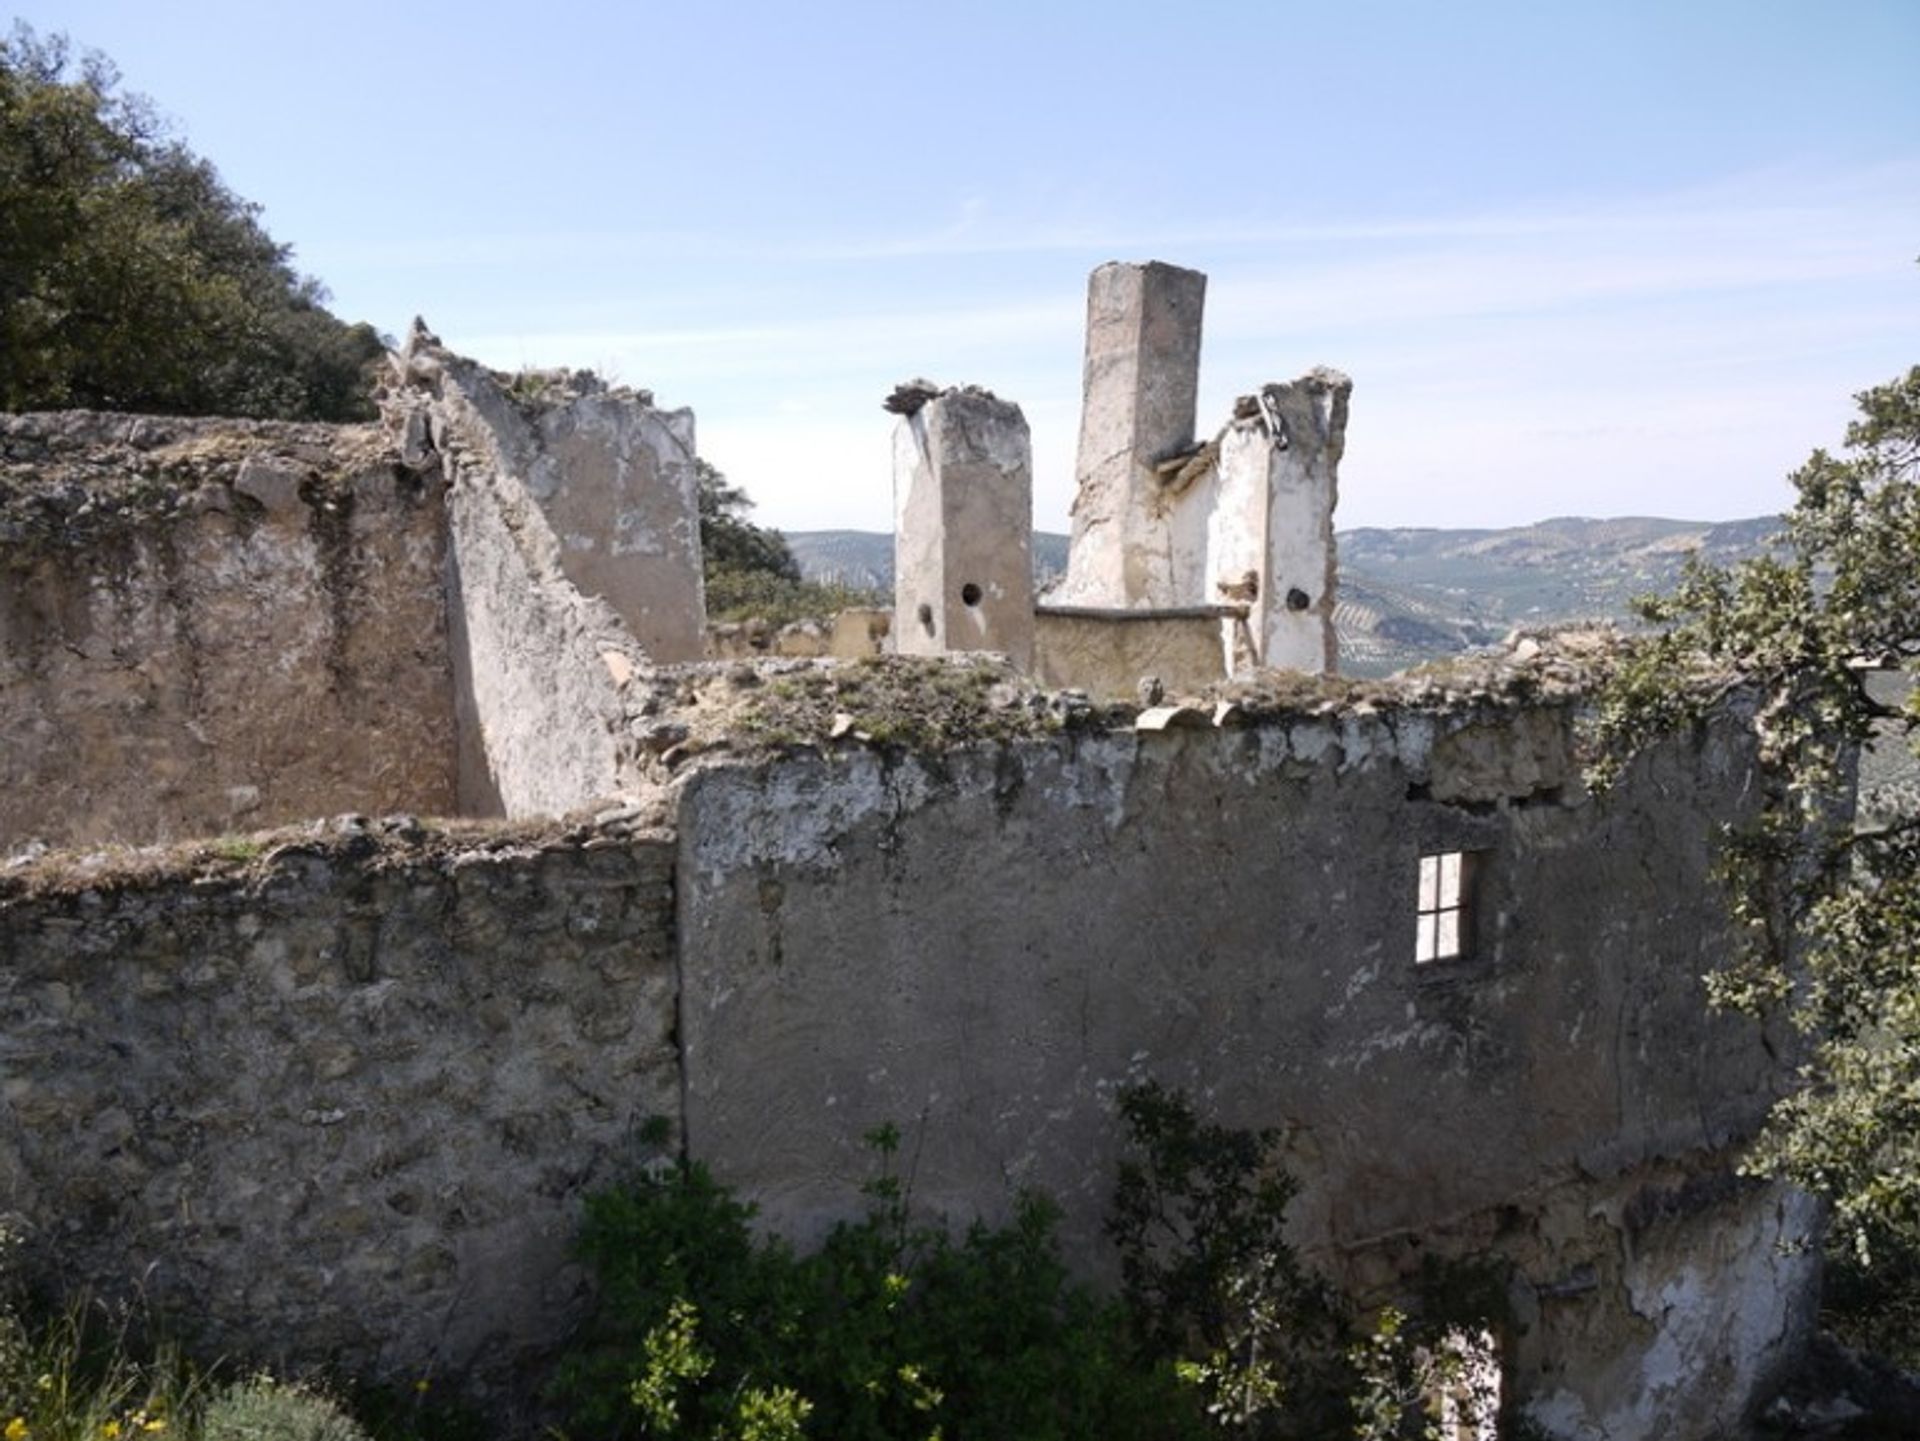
(982, 947)
(340, 1102)
(210, 625)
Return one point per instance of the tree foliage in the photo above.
(729, 541)
(131, 278)
(1827, 907)
(893, 1330)
(751, 571)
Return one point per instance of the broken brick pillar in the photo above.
(1270, 539)
(963, 523)
(1137, 409)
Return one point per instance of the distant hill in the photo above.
(1410, 595)
(865, 557)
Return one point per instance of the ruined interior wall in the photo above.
(538, 665)
(213, 624)
(983, 949)
(1107, 653)
(342, 1101)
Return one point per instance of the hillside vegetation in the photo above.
(132, 279)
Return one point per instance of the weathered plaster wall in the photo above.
(1106, 652)
(982, 949)
(1277, 486)
(1141, 380)
(211, 624)
(963, 526)
(538, 666)
(341, 1102)
(618, 483)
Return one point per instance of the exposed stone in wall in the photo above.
(963, 525)
(1108, 653)
(1691, 1297)
(340, 1102)
(210, 625)
(539, 666)
(348, 1095)
(1137, 411)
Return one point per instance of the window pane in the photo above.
(1424, 937)
(1429, 883)
(1449, 942)
(1450, 879)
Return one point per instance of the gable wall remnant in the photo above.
(215, 625)
(539, 660)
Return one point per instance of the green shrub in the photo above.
(892, 1330)
(263, 1409)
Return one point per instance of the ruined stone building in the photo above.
(342, 1084)
(1190, 562)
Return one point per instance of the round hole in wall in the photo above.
(970, 593)
(926, 617)
(1298, 599)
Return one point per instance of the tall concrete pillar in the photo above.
(1137, 409)
(1270, 537)
(963, 524)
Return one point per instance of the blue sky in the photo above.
(1600, 259)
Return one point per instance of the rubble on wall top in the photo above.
(909, 396)
(557, 388)
(532, 389)
(70, 478)
(751, 709)
(713, 712)
(371, 843)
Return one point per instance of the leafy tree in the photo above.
(751, 571)
(131, 278)
(729, 541)
(1827, 906)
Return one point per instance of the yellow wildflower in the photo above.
(423, 1385)
(17, 1429)
(110, 1430)
(157, 1423)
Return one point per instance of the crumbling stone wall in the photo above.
(209, 625)
(347, 1095)
(982, 947)
(339, 1102)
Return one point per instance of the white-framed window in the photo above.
(1445, 911)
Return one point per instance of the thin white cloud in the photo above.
(1671, 353)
